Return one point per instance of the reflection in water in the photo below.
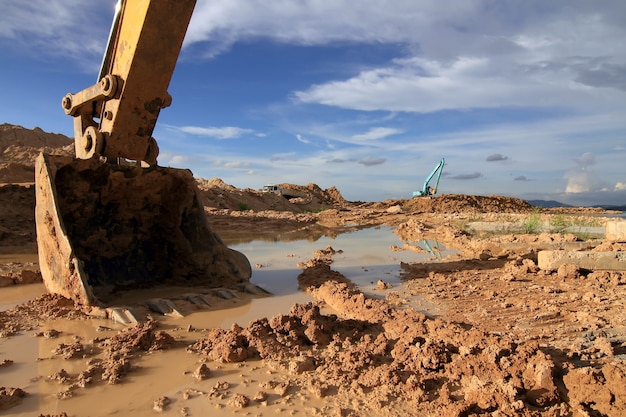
(433, 247)
(310, 233)
(363, 255)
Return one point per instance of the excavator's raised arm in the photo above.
(115, 117)
(106, 227)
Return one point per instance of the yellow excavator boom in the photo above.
(105, 225)
(115, 117)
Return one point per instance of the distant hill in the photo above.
(558, 204)
(548, 203)
(610, 207)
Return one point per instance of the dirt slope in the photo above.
(20, 146)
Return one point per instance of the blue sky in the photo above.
(522, 98)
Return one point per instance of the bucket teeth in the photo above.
(194, 298)
(163, 306)
(253, 289)
(124, 315)
(226, 294)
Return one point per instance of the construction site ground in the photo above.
(496, 335)
(481, 331)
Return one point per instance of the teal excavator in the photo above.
(427, 190)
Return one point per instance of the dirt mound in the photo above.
(461, 203)
(20, 146)
(30, 138)
(29, 315)
(217, 195)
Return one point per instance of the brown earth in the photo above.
(507, 339)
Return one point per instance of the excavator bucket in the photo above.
(104, 228)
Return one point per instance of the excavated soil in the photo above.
(506, 338)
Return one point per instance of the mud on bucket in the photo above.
(104, 228)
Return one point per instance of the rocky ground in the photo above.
(504, 338)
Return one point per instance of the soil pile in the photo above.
(20, 146)
(217, 195)
(458, 203)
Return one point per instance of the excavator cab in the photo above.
(111, 219)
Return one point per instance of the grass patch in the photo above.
(560, 222)
(463, 224)
(532, 223)
(243, 206)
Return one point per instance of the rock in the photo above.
(239, 401)
(382, 285)
(161, 404)
(202, 372)
(10, 397)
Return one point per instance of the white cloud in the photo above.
(421, 85)
(71, 28)
(301, 139)
(376, 133)
(178, 160)
(620, 186)
(476, 54)
(582, 179)
(232, 164)
(226, 132)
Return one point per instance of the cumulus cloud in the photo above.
(620, 186)
(226, 132)
(496, 157)
(471, 176)
(582, 178)
(468, 54)
(422, 85)
(368, 162)
(478, 26)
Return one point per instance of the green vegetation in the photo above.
(532, 224)
(243, 206)
(560, 222)
(463, 224)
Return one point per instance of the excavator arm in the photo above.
(105, 227)
(115, 117)
(427, 190)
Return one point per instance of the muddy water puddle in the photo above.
(364, 256)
